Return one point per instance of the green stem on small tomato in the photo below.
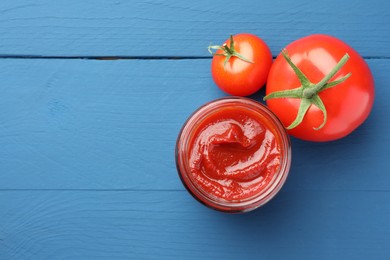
(227, 49)
(228, 52)
(308, 92)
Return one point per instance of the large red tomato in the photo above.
(240, 66)
(325, 113)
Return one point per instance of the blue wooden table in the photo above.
(93, 95)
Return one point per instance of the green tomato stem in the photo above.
(228, 52)
(308, 92)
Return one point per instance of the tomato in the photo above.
(240, 67)
(326, 113)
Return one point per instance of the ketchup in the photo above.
(233, 154)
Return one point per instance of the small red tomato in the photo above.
(320, 88)
(240, 66)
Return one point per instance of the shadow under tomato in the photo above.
(258, 96)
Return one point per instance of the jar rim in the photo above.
(255, 201)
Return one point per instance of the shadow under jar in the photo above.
(233, 154)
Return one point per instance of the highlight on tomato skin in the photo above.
(241, 65)
(343, 107)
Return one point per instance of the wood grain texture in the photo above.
(183, 28)
(87, 166)
(87, 124)
(96, 124)
(171, 225)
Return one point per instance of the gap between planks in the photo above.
(106, 57)
(134, 57)
(98, 190)
(176, 190)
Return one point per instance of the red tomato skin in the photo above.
(238, 77)
(348, 104)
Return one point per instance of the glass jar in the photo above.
(223, 132)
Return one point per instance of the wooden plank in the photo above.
(171, 225)
(96, 124)
(87, 124)
(183, 28)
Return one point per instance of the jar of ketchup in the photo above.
(233, 154)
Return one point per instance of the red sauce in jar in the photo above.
(233, 154)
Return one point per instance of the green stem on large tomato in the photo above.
(228, 52)
(308, 91)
